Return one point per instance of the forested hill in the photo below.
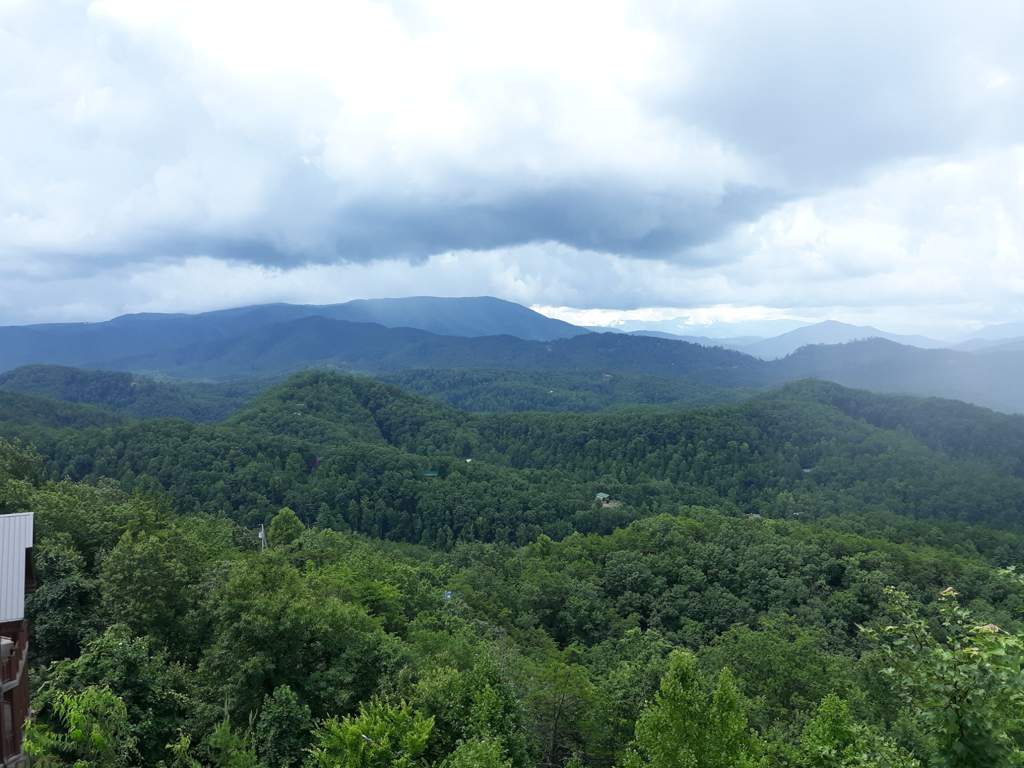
(354, 453)
(130, 395)
(367, 347)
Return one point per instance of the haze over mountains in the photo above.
(826, 332)
(424, 333)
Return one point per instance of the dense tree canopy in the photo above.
(800, 580)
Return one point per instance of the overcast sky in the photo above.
(712, 160)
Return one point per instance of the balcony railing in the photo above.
(12, 667)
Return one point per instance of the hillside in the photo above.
(130, 395)
(323, 439)
(366, 347)
(504, 390)
(553, 650)
(28, 410)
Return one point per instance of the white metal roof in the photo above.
(15, 538)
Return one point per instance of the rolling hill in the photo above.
(130, 395)
(371, 348)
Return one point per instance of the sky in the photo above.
(699, 162)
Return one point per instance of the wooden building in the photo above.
(16, 580)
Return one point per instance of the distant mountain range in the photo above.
(131, 336)
(483, 333)
(830, 332)
(827, 332)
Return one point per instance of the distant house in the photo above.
(602, 498)
(605, 500)
(16, 580)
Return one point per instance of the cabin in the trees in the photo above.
(16, 580)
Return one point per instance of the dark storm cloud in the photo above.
(608, 218)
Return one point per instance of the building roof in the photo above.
(15, 539)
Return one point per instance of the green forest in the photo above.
(482, 570)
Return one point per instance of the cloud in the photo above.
(789, 155)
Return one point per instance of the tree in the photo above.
(89, 729)
(381, 736)
(282, 729)
(62, 609)
(562, 702)
(786, 667)
(961, 692)
(694, 722)
(477, 753)
(285, 528)
(146, 584)
(479, 704)
(231, 748)
(155, 692)
(833, 739)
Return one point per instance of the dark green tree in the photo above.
(285, 528)
(283, 729)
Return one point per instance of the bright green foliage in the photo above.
(694, 722)
(85, 730)
(181, 754)
(231, 748)
(285, 528)
(477, 753)
(282, 729)
(961, 690)
(833, 739)
(381, 736)
(627, 672)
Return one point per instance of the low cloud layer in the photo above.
(855, 159)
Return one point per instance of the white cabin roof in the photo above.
(15, 538)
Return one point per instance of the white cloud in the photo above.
(861, 160)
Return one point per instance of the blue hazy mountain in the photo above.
(269, 341)
(141, 334)
(831, 332)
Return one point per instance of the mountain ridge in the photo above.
(138, 334)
